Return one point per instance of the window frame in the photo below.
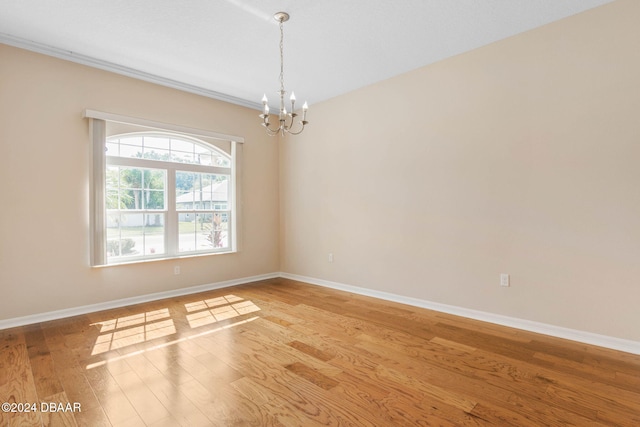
(100, 160)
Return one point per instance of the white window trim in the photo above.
(118, 118)
(97, 130)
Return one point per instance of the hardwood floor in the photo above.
(285, 353)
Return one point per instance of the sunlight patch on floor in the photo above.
(134, 329)
(214, 310)
(170, 343)
(143, 327)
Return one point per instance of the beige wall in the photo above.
(522, 157)
(44, 167)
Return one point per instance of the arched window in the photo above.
(164, 194)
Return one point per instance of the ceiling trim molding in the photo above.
(119, 69)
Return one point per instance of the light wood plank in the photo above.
(17, 385)
(59, 411)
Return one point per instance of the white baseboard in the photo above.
(527, 325)
(92, 308)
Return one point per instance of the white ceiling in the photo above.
(228, 49)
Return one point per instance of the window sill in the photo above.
(175, 258)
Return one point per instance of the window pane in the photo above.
(112, 179)
(124, 235)
(187, 230)
(156, 154)
(181, 145)
(220, 189)
(201, 191)
(134, 235)
(130, 178)
(129, 199)
(199, 149)
(113, 226)
(154, 199)
(184, 180)
(135, 188)
(204, 159)
(157, 142)
(131, 140)
(130, 151)
(221, 161)
(203, 155)
(220, 234)
(154, 234)
(204, 233)
(131, 230)
(154, 179)
(181, 157)
(112, 201)
(184, 200)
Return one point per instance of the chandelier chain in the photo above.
(281, 58)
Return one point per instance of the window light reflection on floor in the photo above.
(170, 343)
(214, 310)
(129, 330)
(143, 327)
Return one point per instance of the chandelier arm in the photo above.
(271, 132)
(290, 125)
(303, 123)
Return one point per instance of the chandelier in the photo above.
(286, 121)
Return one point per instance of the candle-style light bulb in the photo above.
(264, 99)
(305, 107)
(293, 97)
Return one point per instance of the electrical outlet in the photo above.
(504, 280)
(176, 270)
